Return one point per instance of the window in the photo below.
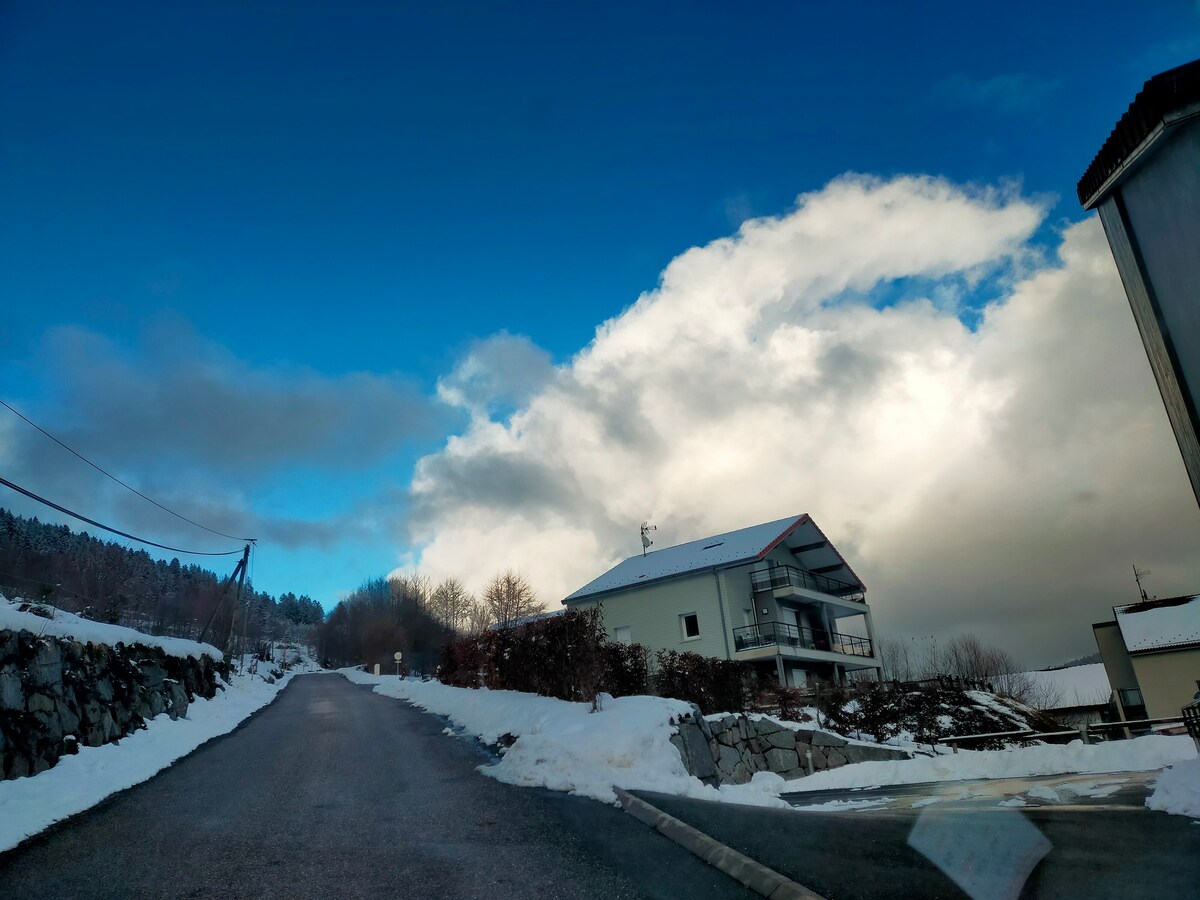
(623, 634)
(690, 625)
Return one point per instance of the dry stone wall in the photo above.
(57, 694)
(731, 749)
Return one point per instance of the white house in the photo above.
(776, 595)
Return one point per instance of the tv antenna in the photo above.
(1138, 574)
(646, 542)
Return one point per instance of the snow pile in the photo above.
(1138, 755)
(28, 805)
(565, 746)
(1178, 790)
(68, 625)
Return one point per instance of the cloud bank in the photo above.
(202, 431)
(998, 479)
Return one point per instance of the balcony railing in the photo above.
(783, 576)
(768, 634)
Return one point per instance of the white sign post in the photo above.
(398, 656)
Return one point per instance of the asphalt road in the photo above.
(1110, 846)
(333, 791)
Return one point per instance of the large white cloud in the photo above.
(999, 479)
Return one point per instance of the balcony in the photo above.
(789, 576)
(781, 634)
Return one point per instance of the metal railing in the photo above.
(785, 576)
(782, 634)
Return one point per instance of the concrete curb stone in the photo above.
(754, 875)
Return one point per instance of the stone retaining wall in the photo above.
(57, 693)
(731, 749)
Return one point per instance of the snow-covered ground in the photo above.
(69, 625)
(566, 747)
(1142, 754)
(1085, 685)
(1178, 790)
(76, 783)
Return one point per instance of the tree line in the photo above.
(105, 581)
(410, 614)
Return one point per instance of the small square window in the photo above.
(690, 624)
(623, 634)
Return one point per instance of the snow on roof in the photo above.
(69, 625)
(730, 548)
(1085, 685)
(1160, 624)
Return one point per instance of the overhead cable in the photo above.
(103, 471)
(31, 495)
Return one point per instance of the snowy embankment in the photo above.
(564, 746)
(77, 782)
(69, 625)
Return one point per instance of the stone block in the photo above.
(766, 726)
(804, 736)
(835, 758)
(819, 762)
(825, 739)
(40, 703)
(730, 758)
(12, 691)
(740, 774)
(46, 667)
(729, 738)
(779, 760)
(697, 756)
(784, 739)
(152, 674)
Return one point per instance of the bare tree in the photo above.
(450, 603)
(414, 587)
(510, 596)
(478, 618)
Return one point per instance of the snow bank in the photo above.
(566, 747)
(69, 625)
(1138, 755)
(29, 805)
(1178, 790)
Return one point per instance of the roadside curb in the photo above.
(738, 866)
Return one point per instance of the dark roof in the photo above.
(1159, 97)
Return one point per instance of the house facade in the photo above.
(776, 595)
(1151, 652)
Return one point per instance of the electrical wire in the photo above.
(31, 495)
(109, 474)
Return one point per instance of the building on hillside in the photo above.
(777, 595)
(1073, 695)
(1151, 652)
(1145, 184)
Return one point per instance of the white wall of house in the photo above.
(653, 612)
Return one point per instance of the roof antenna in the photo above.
(1137, 576)
(646, 542)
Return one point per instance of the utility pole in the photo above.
(239, 572)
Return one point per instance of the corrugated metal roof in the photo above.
(1160, 624)
(1159, 97)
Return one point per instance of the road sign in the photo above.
(397, 656)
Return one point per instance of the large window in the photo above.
(689, 623)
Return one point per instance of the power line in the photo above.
(103, 471)
(31, 495)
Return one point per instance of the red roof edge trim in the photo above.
(787, 531)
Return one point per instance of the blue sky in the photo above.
(314, 190)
